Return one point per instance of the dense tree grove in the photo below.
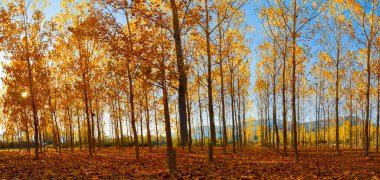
(108, 72)
(320, 55)
(177, 73)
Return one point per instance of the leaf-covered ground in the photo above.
(250, 163)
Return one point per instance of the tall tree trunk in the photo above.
(45, 139)
(316, 117)
(27, 132)
(328, 124)
(337, 102)
(92, 127)
(53, 124)
(200, 113)
(233, 111)
(120, 122)
(323, 112)
(284, 118)
(149, 138)
(176, 125)
(188, 119)
(294, 80)
(79, 134)
(131, 92)
(115, 122)
(67, 138)
(141, 128)
(363, 132)
(34, 108)
(224, 144)
(237, 123)
(155, 121)
(182, 87)
(239, 113)
(98, 125)
(89, 136)
(298, 113)
(209, 78)
(18, 131)
(127, 125)
(275, 110)
(351, 117)
(56, 122)
(170, 151)
(356, 128)
(267, 114)
(32, 96)
(71, 134)
(366, 131)
(69, 118)
(262, 139)
(378, 112)
(244, 121)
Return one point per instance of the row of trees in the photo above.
(102, 68)
(323, 53)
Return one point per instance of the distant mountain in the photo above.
(313, 123)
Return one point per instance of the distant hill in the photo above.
(279, 124)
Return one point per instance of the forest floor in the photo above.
(249, 163)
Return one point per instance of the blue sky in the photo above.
(256, 36)
(54, 8)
